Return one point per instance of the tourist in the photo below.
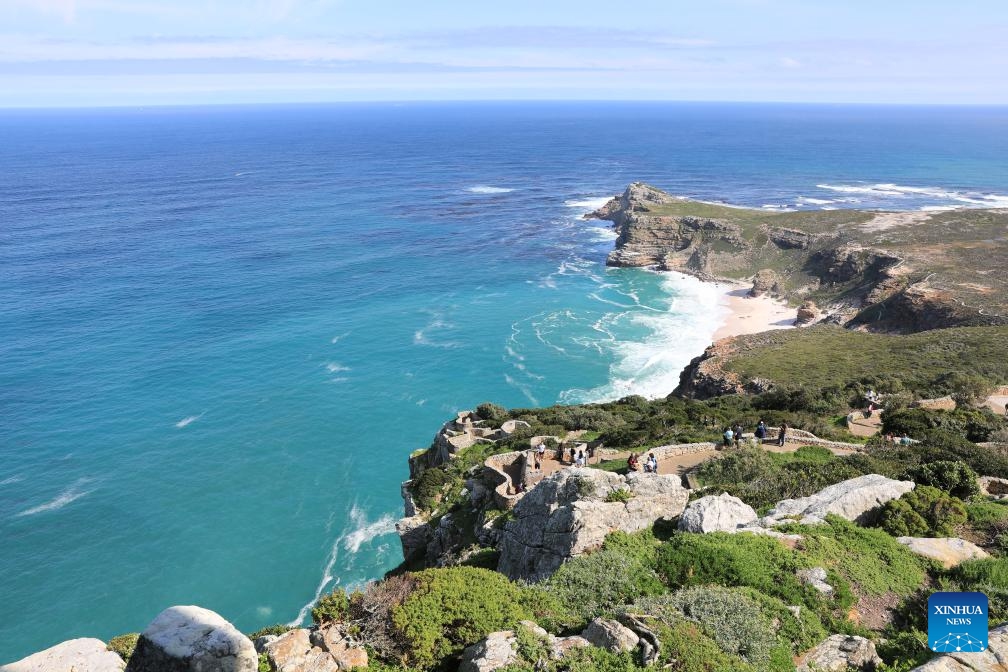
(737, 431)
(782, 434)
(651, 466)
(905, 441)
(632, 462)
(580, 461)
(573, 455)
(591, 453)
(537, 460)
(729, 436)
(761, 430)
(540, 454)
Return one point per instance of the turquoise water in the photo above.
(224, 329)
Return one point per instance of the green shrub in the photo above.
(953, 476)
(275, 629)
(124, 645)
(923, 512)
(619, 495)
(454, 607)
(331, 608)
(987, 572)
(871, 560)
(264, 664)
(492, 413)
(800, 632)
(727, 615)
(686, 648)
(751, 560)
(599, 583)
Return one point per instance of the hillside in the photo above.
(889, 271)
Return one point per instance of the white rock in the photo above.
(949, 551)
(184, 639)
(994, 659)
(611, 635)
(566, 515)
(717, 513)
(851, 499)
(839, 653)
(496, 651)
(815, 577)
(75, 655)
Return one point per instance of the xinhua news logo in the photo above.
(957, 622)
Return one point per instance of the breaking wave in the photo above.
(71, 494)
(483, 189)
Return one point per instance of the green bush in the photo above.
(124, 645)
(751, 560)
(275, 629)
(601, 582)
(991, 572)
(454, 607)
(686, 648)
(869, 559)
(953, 476)
(619, 495)
(492, 413)
(727, 615)
(331, 608)
(923, 512)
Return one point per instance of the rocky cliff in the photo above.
(894, 272)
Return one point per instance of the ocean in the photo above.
(224, 329)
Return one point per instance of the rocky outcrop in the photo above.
(808, 313)
(669, 242)
(75, 655)
(764, 282)
(993, 486)
(791, 239)
(611, 635)
(293, 651)
(839, 653)
(994, 659)
(192, 639)
(815, 577)
(852, 499)
(705, 376)
(566, 515)
(498, 650)
(950, 551)
(717, 513)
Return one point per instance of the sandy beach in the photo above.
(750, 315)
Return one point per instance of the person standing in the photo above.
(761, 430)
(729, 436)
(652, 464)
(782, 434)
(737, 431)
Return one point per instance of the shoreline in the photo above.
(746, 314)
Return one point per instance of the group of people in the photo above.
(578, 458)
(650, 464)
(734, 434)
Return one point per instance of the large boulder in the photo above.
(717, 513)
(839, 653)
(950, 551)
(994, 487)
(192, 639)
(612, 635)
(567, 514)
(852, 499)
(994, 659)
(498, 650)
(815, 577)
(75, 655)
(294, 651)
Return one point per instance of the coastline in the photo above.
(746, 314)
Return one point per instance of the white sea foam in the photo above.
(650, 366)
(340, 337)
(11, 480)
(524, 389)
(815, 201)
(438, 323)
(588, 204)
(483, 189)
(898, 191)
(602, 234)
(358, 531)
(188, 420)
(71, 494)
(334, 367)
(264, 612)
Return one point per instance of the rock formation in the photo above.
(566, 515)
(852, 499)
(78, 655)
(192, 639)
(815, 577)
(950, 552)
(611, 635)
(994, 659)
(839, 653)
(808, 313)
(717, 513)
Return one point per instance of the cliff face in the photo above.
(893, 272)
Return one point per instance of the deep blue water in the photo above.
(222, 330)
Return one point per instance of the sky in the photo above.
(71, 53)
